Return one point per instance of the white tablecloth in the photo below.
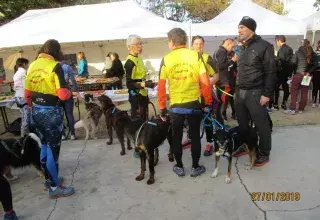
(152, 93)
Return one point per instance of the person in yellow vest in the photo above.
(135, 79)
(188, 83)
(198, 45)
(45, 89)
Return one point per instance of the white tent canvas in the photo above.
(98, 22)
(268, 22)
(313, 22)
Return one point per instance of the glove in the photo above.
(163, 114)
(149, 84)
(207, 108)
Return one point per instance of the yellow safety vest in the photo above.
(210, 70)
(138, 72)
(182, 68)
(40, 76)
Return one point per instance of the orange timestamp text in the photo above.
(275, 196)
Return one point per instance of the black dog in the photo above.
(120, 121)
(227, 141)
(152, 135)
(19, 153)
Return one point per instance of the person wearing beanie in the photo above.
(255, 86)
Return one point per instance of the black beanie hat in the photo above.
(249, 23)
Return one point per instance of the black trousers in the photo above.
(5, 194)
(285, 88)
(247, 104)
(177, 121)
(222, 104)
(139, 106)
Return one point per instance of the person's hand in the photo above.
(163, 114)
(264, 100)
(307, 74)
(149, 84)
(207, 109)
(234, 58)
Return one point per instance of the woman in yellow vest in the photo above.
(135, 78)
(45, 89)
(198, 45)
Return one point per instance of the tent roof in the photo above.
(98, 22)
(268, 22)
(313, 21)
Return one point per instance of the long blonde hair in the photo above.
(307, 49)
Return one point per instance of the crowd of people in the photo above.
(244, 72)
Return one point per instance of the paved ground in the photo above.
(106, 187)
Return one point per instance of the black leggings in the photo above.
(139, 103)
(177, 122)
(5, 194)
(275, 98)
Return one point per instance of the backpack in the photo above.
(15, 127)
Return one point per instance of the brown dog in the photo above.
(120, 122)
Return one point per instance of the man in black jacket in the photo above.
(224, 66)
(255, 85)
(284, 71)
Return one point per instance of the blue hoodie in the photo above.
(83, 68)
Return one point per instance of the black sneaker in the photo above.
(284, 107)
(276, 107)
(261, 160)
(198, 171)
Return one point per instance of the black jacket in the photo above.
(116, 69)
(300, 64)
(257, 67)
(224, 65)
(284, 57)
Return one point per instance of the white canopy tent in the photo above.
(313, 24)
(98, 22)
(268, 22)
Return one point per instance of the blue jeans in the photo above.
(68, 110)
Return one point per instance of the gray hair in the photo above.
(132, 38)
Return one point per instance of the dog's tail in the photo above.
(35, 137)
(79, 124)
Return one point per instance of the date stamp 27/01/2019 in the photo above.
(275, 196)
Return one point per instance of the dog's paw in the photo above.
(109, 142)
(122, 153)
(140, 177)
(248, 166)
(94, 138)
(86, 138)
(150, 181)
(129, 148)
(228, 180)
(214, 174)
